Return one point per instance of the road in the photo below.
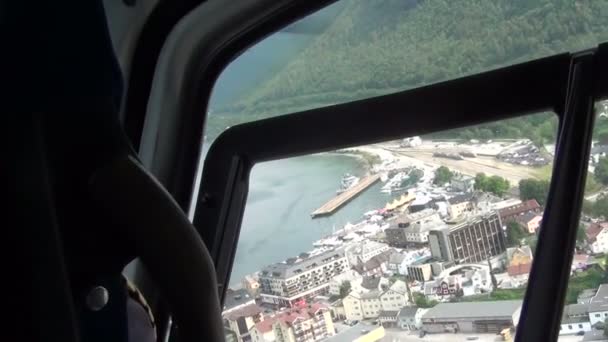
(472, 166)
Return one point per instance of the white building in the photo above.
(300, 278)
(364, 251)
(575, 318)
(597, 237)
(366, 305)
(336, 282)
(598, 306)
(410, 318)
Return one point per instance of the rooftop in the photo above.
(461, 198)
(294, 266)
(235, 298)
(519, 208)
(599, 302)
(352, 333)
(595, 335)
(527, 216)
(575, 313)
(289, 316)
(265, 325)
(594, 230)
(388, 313)
(408, 311)
(502, 308)
(515, 270)
(246, 311)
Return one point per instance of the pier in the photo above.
(343, 198)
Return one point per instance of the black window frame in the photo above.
(567, 84)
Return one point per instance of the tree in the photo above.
(442, 175)
(497, 185)
(345, 289)
(601, 170)
(480, 181)
(514, 234)
(533, 189)
(580, 235)
(422, 302)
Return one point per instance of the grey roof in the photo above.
(599, 302)
(501, 308)
(408, 311)
(461, 198)
(388, 313)
(287, 270)
(587, 294)
(235, 298)
(370, 283)
(371, 294)
(576, 309)
(351, 333)
(396, 258)
(595, 335)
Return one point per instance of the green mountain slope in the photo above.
(380, 46)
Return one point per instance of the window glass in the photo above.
(587, 294)
(449, 218)
(357, 49)
(478, 201)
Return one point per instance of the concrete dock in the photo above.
(343, 198)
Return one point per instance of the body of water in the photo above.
(282, 194)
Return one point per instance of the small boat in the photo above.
(348, 181)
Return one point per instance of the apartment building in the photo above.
(471, 241)
(304, 324)
(364, 305)
(511, 213)
(413, 229)
(297, 279)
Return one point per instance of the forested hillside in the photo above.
(380, 46)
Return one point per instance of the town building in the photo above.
(303, 324)
(512, 212)
(472, 317)
(236, 299)
(420, 270)
(412, 229)
(263, 331)
(530, 221)
(575, 318)
(349, 276)
(519, 265)
(377, 265)
(241, 320)
(388, 319)
(251, 285)
(362, 252)
(460, 205)
(597, 237)
(410, 318)
(368, 304)
(462, 183)
(297, 279)
(471, 241)
(397, 263)
(598, 305)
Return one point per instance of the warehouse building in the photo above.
(474, 317)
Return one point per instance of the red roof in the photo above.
(594, 230)
(265, 325)
(294, 314)
(520, 269)
(517, 209)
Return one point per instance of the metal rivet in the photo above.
(97, 298)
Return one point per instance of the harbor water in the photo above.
(282, 195)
